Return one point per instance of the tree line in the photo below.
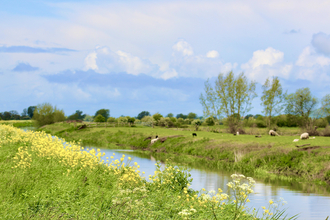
(231, 98)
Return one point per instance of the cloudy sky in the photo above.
(143, 55)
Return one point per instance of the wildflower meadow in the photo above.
(44, 177)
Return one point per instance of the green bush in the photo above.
(111, 119)
(45, 114)
(99, 118)
(209, 121)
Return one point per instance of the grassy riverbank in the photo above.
(41, 179)
(261, 157)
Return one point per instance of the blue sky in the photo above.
(133, 56)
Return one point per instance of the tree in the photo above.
(88, 118)
(99, 118)
(192, 115)
(142, 114)
(272, 98)
(169, 115)
(104, 112)
(326, 105)
(24, 113)
(301, 103)
(157, 116)
(248, 116)
(209, 121)
(181, 116)
(45, 114)
(229, 96)
(31, 110)
(196, 123)
(130, 120)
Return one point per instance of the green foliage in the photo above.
(170, 115)
(45, 114)
(88, 118)
(181, 116)
(157, 116)
(77, 116)
(209, 121)
(30, 111)
(142, 114)
(192, 115)
(111, 119)
(99, 118)
(229, 96)
(325, 104)
(130, 120)
(301, 103)
(272, 98)
(104, 112)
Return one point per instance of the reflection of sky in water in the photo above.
(311, 206)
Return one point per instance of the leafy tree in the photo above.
(111, 119)
(130, 120)
(257, 116)
(192, 115)
(209, 121)
(272, 98)
(24, 113)
(325, 102)
(77, 116)
(142, 114)
(104, 112)
(88, 118)
(181, 116)
(99, 118)
(45, 114)
(169, 115)
(196, 123)
(157, 116)
(229, 96)
(14, 115)
(248, 116)
(6, 115)
(301, 103)
(31, 110)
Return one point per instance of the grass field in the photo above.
(42, 179)
(266, 156)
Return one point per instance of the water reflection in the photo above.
(309, 205)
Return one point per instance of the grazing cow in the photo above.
(194, 134)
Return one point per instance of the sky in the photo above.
(142, 55)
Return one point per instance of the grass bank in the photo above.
(266, 157)
(42, 177)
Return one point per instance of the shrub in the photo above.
(99, 118)
(261, 123)
(46, 114)
(157, 116)
(209, 121)
(111, 119)
(321, 122)
(326, 131)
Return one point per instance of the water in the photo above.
(310, 205)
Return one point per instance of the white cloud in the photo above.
(183, 47)
(90, 61)
(212, 54)
(104, 60)
(309, 58)
(266, 63)
(269, 57)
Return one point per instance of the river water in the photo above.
(309, 201)
(308, 205)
